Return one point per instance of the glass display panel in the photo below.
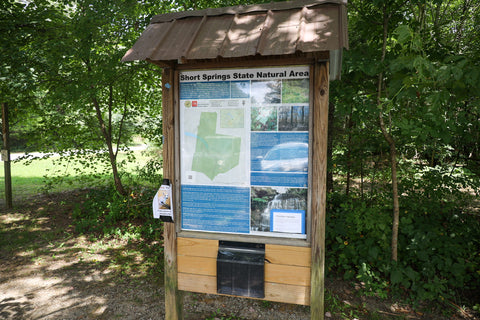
(244, 150)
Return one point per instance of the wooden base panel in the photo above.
(287, 271)
(276, 292)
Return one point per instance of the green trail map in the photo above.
(214, 153)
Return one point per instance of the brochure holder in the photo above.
(162, 202)
(240, 269)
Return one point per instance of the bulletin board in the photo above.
(245, 150)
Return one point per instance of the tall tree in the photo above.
(412, 67)
(83, 93)
(91, 83)
(389, 138)
(21, 27)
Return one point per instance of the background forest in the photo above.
(403, 216)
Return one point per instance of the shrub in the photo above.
(439, 240)
(106, 211)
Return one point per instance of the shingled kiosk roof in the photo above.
(273, 29)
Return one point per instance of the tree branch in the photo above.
(120, 129)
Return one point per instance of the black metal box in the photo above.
(241, 269)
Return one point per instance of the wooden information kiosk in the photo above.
(245, 109)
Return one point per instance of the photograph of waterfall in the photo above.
(266, 199)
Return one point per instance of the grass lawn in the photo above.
(57, 174)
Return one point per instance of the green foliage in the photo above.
(295, 91)
(429, 98)
(219, 315)
(438, 241)
(150, 172)
(107, 212)
(74, 85)
(337, 306)
(357, 234)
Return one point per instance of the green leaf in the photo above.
(396, 276)
(403, 33)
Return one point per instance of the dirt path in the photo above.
(52, 273)
(47, 271)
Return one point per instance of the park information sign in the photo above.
(244, 140)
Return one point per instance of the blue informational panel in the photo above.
(216, 208)
(205, 90)
(279, 159)
(244, 140)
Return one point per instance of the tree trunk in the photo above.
(6, 156)
(391, 142)
(106, 132)
(396, 207)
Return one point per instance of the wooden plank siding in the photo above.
(287, 270)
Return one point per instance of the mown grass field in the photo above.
(57, 174)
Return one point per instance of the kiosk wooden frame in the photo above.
(311, 33)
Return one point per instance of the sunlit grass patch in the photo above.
(58, 174)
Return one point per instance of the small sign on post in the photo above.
(5, 155)
(162, 202)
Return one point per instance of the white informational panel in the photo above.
(244, 140)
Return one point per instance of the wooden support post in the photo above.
(319, 191)
(6, 156)
(173, 297)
